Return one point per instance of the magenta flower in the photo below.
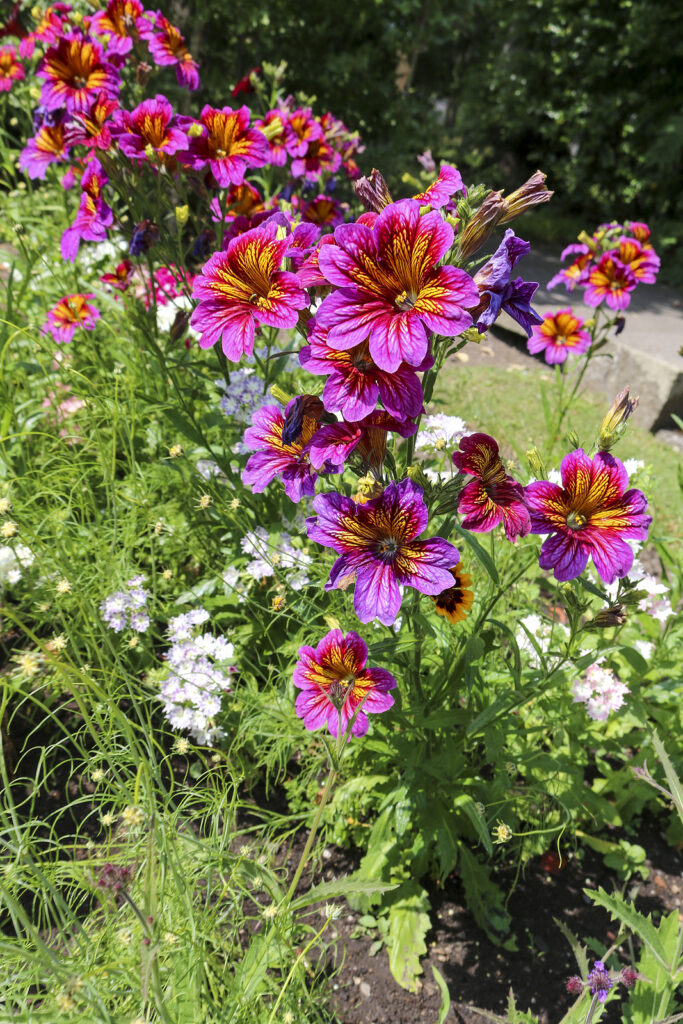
(558, 335)
(334, 442)
(93, 216)
(390, 289)
(70, 312)
(91, 127)
(497, 290)
(641, 259)
(324, 210)
(151, 126)
(355, 382)
(492, 497)
(377, 546)
(591, 515)
(11, 70)
(301, 129)
(578, 270)
(443, 189)
(273, 127)
(334, 681)
(118, 23)
(48, 146)
(227, 145)
(302, 242)
(277, 456)
(75, 72)
(319, 157)
(167, 47)
(243, 287)
(611, 282)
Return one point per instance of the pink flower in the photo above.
(319, 157)
(90, 127)
(301, 129)
(227, 145)
(577, 272)
(118, 22)
(167, 47)
(324, 211)
(378, 547)
(93, 217)
(151, 126)
(67, 314)
(47, 146)
(591, 514)
(641, 259)
(75, 72)
(273, 128)
(492, 497)
(333, 443)
(334, 681)
(11, 70)
(390, 288)
(243, 287)
(611, 282)
(443, 189)
(558, 335)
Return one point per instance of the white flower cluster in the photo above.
(127, 607)
(267, 557)
(200, 670)
(441, 433)
(600, 691)
(243, 396)
(12, 561)
(654, 603)
(543, 631)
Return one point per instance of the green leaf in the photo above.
(445, 995)
(626, 914)
(579, 951)
(408, 926)
(465, 803)
(480, 552)
(670, 772)
(352, 885)
(485, 900)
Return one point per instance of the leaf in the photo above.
(408, 926)
(579, 951)
(626, 914)
(670, 772)
(445, 995)
(342, 887)
(485, 900)
(466, 803)
(480, 552)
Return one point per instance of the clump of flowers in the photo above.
(600, 691)
(439, 432)
(201, 667)
(127, 608)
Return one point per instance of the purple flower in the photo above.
(378, 548)
(93, 216)
(498, 292)
(599, 981)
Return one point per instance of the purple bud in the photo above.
(628, 977)
(574, 985)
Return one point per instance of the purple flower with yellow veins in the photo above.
(149, 130)
(75, 73)
(49, 145)
(335, 442)
(227, 145)
(389, 287)
(94, 215)
(592, 514)
(355, 382)
(493, 496)
(441, 191)
(498, 292)
(334, 680)
(378, 547)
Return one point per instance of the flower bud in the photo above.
(615, 615)
(536, 464)
(279, 395)
(481, 225)
(373, 191)
(573, 439)
(272, 129)
(143, 73)
(612, 426)
(532, 193)
(181, 215)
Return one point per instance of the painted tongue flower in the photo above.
(455, 602)
(227, 144)
(89, 127)
(118, 23)
(591, 515)
(641, 259)
(167, 47)
(150, 129)
(70, 312)
(94, 215)
(611, 282)
(48, 146)
(443, 189)
(75, 72)
(497, 290)
(333, 678)
(558, 335)
(335, 442)
(492, 497)
(11, 70)
(243, 287)
(377, 546)
(390, 289)
(355, 382)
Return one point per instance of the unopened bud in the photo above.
(536, 464)
(573, 439)
(612, 426)
(272, 130)
(279, 395)
(532, 193)
(179, 325)
(481, 225)
(615, 615)
(181, 215)
(142, 73)
(588, 240)
(473, 336)
(373, 191)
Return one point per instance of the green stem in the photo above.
(303, 860)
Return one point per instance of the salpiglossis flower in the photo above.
(90, 127)
(355, 382)
(441, 191)
(319, 157)
(558, 335)
(611, 282)
(334, 442)
(389, 288)
(334, 681)
(301, 129)
(642, 260)
(593, 514)
(118, 23)
(377, 544)
(324, 211)
(75, 72)
(149, 127)
(497, 290)
(67, 314)
(281, 456)
(94, 216)
(493, 497)
(167, 47)
(47, 146)
(243, 287)
(11, 70)
(578, 270)
(227, 145)
(455, 602)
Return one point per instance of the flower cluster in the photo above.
(200, 670)
(609, 264)
(127, 608)
(600, 691)
(269, 557)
